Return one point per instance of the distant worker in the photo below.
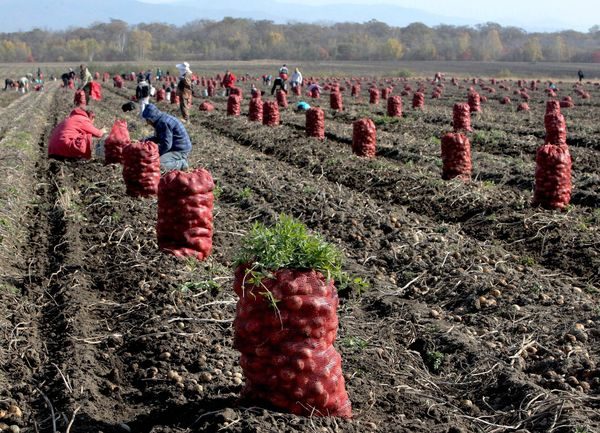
(174, 144)
(9, 83)
(580, 75)
(267, 78)
(296, 80)
(184, 89)
(302, 106)
(283, 72)
(142, 93)
(228, 81)
(69, 75)
(86, 80)
(72, 138)
(23, 85)
(279, 83)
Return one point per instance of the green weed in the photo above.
(217, 191)
(198, 286)
(494, 137)
(386, 120)
(9, 289)
(288, 244)
(434, 360)
(435, 140)
(19, 141)
(245, 193)
(354, 344)
(355, 284)
(527, 261)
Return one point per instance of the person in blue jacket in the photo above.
(174, 144)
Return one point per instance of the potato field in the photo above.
(464, 308)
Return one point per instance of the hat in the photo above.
(184, 68)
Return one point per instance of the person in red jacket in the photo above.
(228, 81)
(72, 138)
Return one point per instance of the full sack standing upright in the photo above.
(185, 213)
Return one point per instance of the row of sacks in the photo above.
(185, 199)
(287, 355)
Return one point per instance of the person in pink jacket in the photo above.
(72, 138)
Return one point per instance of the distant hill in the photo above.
(61, 14)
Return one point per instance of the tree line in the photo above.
(245, 39)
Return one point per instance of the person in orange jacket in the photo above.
(228, 81)
(72, 138)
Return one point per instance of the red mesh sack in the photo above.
(355, 90)
(287, 354)
(418, 101)
(79, 98)
(185, 213)
(556, 127)
(141, 168)
(385, 93)
(394, 106)
(95, 91)
(335, 101)
(118, 81)
(236, 91)
(474, 101)
(175, 98)
(255, 110)
(281, 96)
(524, 96)
(315, 123)
(364, 138)
(233, 105)
(117, 140)
(505, 100)
(206, 106)
(436, 94)
(456, 156)
(210, 90)
(71, 84)
(270, 113)
(523, 106)
(160, 95)
(461, 117)
(314, 93)
(373, 95)
(567, 102)
(297, 90)
(552, 177)
(105, 77)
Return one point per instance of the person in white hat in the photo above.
(184, 89)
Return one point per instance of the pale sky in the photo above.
(579, 15)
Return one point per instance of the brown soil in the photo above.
(481, 313)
